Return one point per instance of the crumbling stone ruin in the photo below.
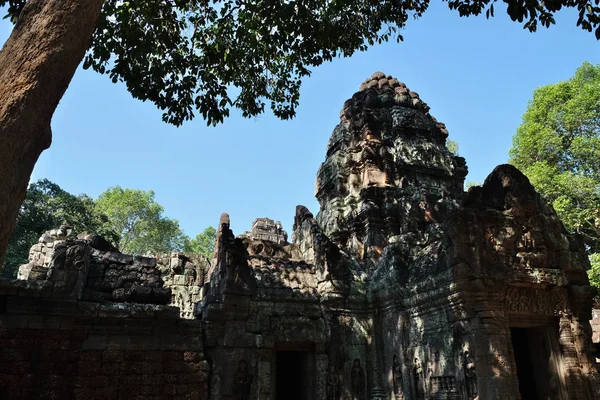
(403, 286)
(266, 229)
(99, 273)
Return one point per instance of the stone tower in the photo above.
(388, 176)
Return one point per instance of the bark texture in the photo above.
(36, 65)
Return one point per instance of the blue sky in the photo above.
(477, 76)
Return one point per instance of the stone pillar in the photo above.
(577, 384)
(374, 372)
(375, 388)
(489, 347)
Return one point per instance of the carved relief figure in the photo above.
(418, 379)
(358, 381)
(242, 381)
(397, 376)
(429, 376)
(333, 383)
(388, 165)
(470, 376)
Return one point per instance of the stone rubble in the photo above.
(105, 275)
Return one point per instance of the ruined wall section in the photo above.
(184, 274)
(263, 297)
(92, 267)
(341, 279)
(88, 322)
(41, 253)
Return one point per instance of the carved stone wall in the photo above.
(41, 253)
(402, 287)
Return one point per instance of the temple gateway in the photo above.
(402, 286)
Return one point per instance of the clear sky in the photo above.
(477, 76)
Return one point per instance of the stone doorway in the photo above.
(294, 375)
(538, 364)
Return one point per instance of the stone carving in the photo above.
(536, 301)
(445, 385)
(333, 383)
(357, 381)
(470, 376)
(418, 379)
(242, 381)
(397, 376)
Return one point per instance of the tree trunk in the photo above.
(36, 65)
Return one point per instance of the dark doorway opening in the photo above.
(537, 359)
(291, 377)
(520, 343)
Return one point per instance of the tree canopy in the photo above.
(557, 147)
(203, 243)
(129, 219)
(205, 57)
(139, 221)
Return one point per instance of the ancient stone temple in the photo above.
(403, 286)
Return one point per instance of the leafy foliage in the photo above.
(452, 147)
(130, 219)
(138, 220)
(203, 243)
(190, 56)
(46, 207)
(594, 272)
(558, 147)
(470, 184)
